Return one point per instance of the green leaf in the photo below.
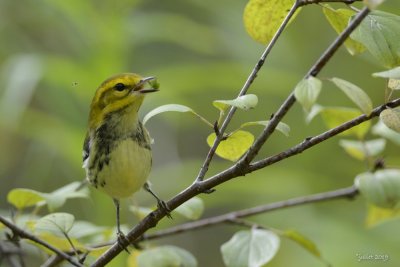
(391, 118)
(307, 91)
(166, 256)
(394, 84)
(175, 108)
(339, 19)
(234, 146)
(55, 223)
(355, 93)
(382, 130)
(282, 127)
(379, 34)
(262, 18)
(23, 198)
(303, 241)
(83, 229)
(250, 248)
(392, 73)
(57, 198)
(381, 188)
(315, 110)
(363, 149)
(377, 215)
(57, 240)
(165, 108)
(191, 209)
(244, 102)
(334, 117)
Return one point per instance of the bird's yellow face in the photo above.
(118, 93)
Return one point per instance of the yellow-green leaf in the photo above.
(363, 149)
(22, 198)
(394, 84)
(254, 247)
(339, 20)
(381, 188)
(303, 241)
(377, 215)
(392, 73)
(174, 108)
(336, 116)
(355, 93)
(191, 209)
(234, 146)
(59, 242)
(58, 197)
(262, 18)
(282, 127)
(165, 108)
(391, 118)
(55, 223)
(244, 102)
(84, 229)
(315, 110)
(307, 91)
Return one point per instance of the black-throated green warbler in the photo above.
(116, 152)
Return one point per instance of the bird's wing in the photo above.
(86, 150)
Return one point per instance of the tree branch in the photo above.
(291, 99)
(243, 91)
(349, 192)
(23, 234)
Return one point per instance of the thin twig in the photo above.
(23, 234)
(348, 192)
(243, 91)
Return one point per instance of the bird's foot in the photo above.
(123, 241)
(162, 205)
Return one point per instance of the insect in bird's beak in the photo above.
(148, 80)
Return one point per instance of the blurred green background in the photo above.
(55, 53)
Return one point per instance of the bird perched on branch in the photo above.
(116, 152)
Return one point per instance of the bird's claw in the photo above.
(123, 241)
(162, 205)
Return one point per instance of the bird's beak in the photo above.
(149, 80)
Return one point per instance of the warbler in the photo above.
(116, 152)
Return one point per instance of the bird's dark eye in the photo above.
(119, 87)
